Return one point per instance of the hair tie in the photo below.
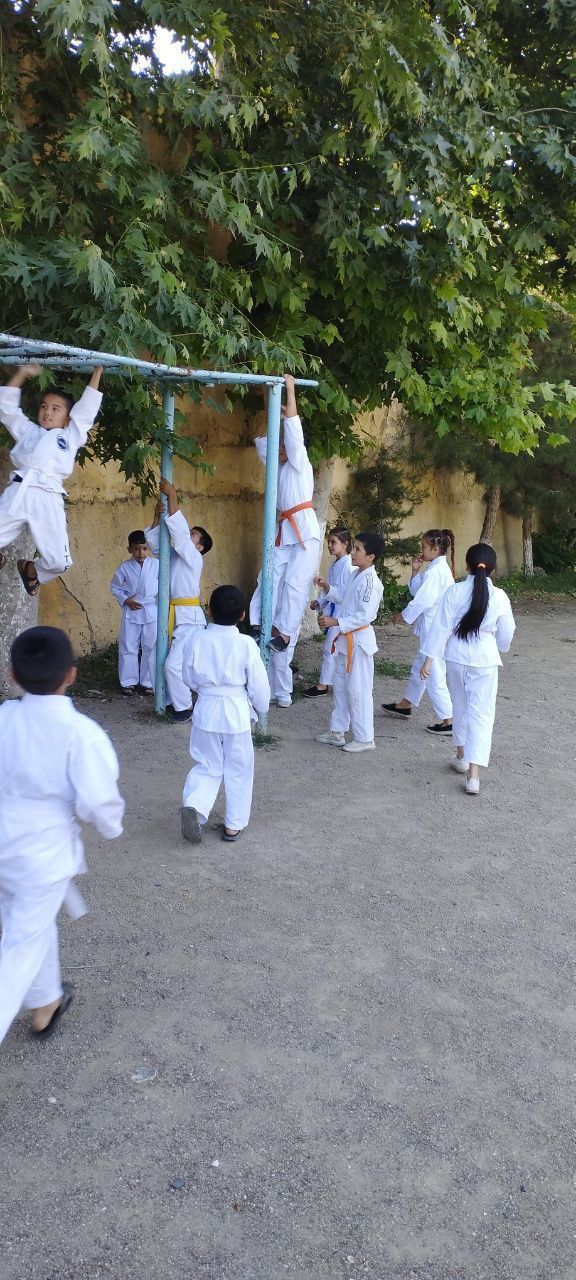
(480, 565)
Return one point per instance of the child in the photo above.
(339, 543)
(427, 587)
(473, 622)
(188, 548)
(354, 644)
(135, 587)
(42, 457)
(227, 672)
(57, 766)
(297, 549)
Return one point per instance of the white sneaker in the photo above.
(281, 702)
(331, 739)
(458, 765)
(472, 786)
(358, 746)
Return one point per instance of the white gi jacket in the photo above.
(427, 587)
(139, 582)
(295, 484)
(44, 458)
(229, 676)
(186, 566)
(496, 629)
(337, 577)
(56, 766)
(358, 602)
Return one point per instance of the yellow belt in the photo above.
(172, 611)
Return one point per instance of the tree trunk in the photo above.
(527, 552)
(17, 611)
(491, 514)
(322, 489)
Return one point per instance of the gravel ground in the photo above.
(359, 1019)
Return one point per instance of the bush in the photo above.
(554, 552)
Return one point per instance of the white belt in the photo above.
(33, 478)
(220, 690)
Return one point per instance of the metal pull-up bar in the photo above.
(55, 355)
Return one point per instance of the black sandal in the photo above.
(66, 1001)
(30, 580)
(315, 692)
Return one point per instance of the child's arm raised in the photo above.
(293, 434)
(11, 414)
(84, 413)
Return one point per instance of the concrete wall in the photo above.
(103, 509)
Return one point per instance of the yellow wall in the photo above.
(103, 509)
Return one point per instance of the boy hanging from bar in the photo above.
(297, 550)
(188, 545)
(43, 455)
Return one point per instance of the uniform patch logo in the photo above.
(62, 442)
(368, 591)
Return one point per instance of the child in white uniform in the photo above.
(354, 645)
(297, 550)
(427, 585)
(189, 545)
(227, 672)
(135, 587)
(339, 544)
(473, 625)
(42, 457)
(57, 766)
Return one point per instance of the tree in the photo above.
(379, 193)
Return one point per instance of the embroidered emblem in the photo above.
(368, 591)
(62, 442)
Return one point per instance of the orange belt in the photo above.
(349, 643)
(287, 515)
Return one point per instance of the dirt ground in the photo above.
(360, 1020)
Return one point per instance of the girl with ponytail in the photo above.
(431, 576)
(473, 626)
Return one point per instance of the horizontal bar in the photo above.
(25, 349)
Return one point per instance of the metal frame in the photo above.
(55, 355)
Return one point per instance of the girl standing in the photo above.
(431, 576)
(339, 544)
(473, 626)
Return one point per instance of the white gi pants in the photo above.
(29, 958)
(294, 568)
(328, 661)
(179, 694)
(43, 514)
(135, 636)
(353, 698)
(435, 686)
(221, 757)
(473, 691)
(280, 673)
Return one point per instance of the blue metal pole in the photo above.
(164, 566)
(269, 531)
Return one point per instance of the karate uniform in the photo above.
(427, 588)
(41, 460)
(337, 577)
(185, 572)
(357, 605)
(227, 672)
(138, 627)
(472, 664)
(296, 554)
(56, 766)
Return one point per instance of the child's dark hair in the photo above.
(343, 535)
(443, 539)
(373, 543)
(481, 561)
(62, 395)
(227, 604)
(206, 543)
(41, 659)
(136, 537)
